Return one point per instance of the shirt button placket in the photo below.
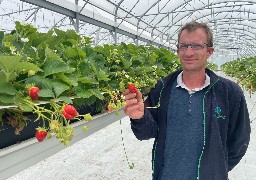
(190, 104)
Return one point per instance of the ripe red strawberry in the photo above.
(33, 93)
(132, 88)
(40, 134)
(69, 112)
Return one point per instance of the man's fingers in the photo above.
(130, 109)
(131, 101)
(139, 96)
(134, 107)
(136, 95)
(130, 96)
(126, 92)
(141, 106)
(134, 112)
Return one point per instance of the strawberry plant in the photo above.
(211, 66)
(244, 71)
(38, 68)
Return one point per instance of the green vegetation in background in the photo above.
(244, 70)
(212, 66)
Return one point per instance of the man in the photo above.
(202, 127)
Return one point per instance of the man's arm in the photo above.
(144, 128)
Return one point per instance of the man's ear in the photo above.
(210, 51)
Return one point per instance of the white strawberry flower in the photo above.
(24, 39)
(34, 48)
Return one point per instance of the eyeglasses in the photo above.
(194, 46)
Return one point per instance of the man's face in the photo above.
(193, 50)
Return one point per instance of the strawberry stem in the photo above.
(131, 165)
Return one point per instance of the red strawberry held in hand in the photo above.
(41, 134)
(69, 112)
(33, 93)
(132, 88)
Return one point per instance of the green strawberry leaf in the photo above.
(7, 88)
(102, 76)
(66, 99)
(88, 81)
(55, 66)
(43, 83)
(80, 52)
(86, 93)
(51, 55)
(59, 88)
(46, 93)
(127, 64)
(71, 52)
(25, 107)
(6, 98)
(70, 80)
(98, 94)
(12, 65)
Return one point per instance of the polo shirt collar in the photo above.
(191, 91)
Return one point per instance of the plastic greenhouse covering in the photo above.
(142, 21)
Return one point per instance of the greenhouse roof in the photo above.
(157, 21)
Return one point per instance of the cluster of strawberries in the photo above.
(68, 111)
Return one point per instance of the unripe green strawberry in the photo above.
(58, 135)
(85, 128)
(65, 142)
(87, 117)
(123, 103)
(31, 73)
(54, 125)
(49, 135)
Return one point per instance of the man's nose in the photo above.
(189, 50)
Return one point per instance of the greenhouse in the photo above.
(66, 67)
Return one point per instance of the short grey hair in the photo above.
(193, 25)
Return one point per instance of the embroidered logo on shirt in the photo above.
(218, 113)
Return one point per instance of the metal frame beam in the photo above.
(70, 13)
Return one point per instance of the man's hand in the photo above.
(134, 107)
